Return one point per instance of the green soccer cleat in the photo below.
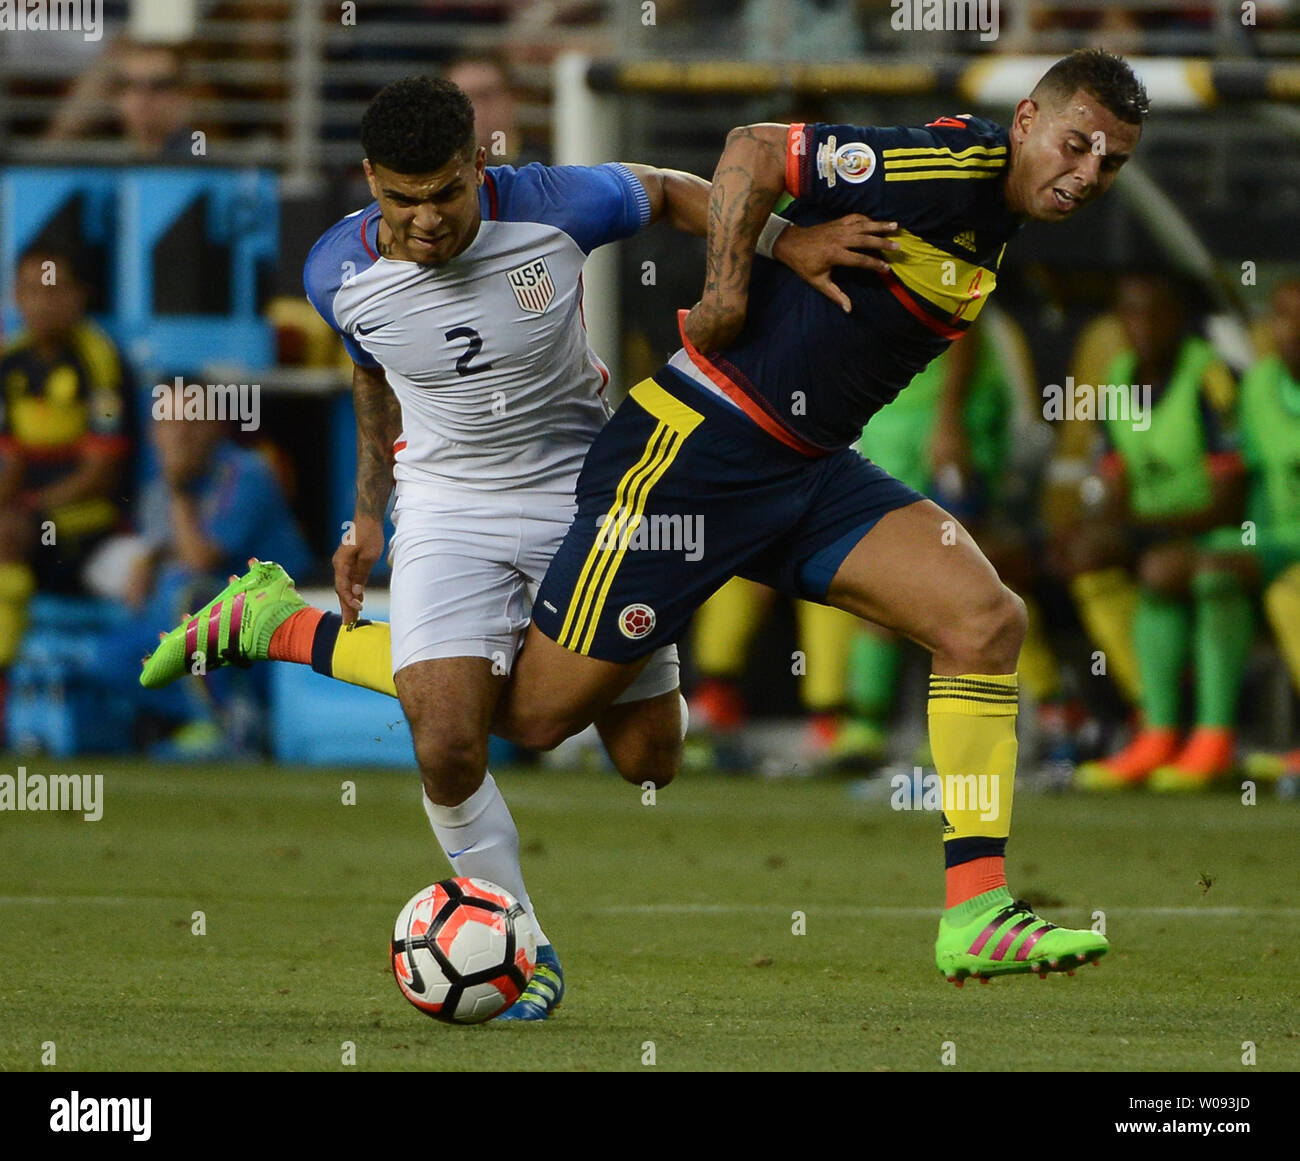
(1007, 938)
(234, 628)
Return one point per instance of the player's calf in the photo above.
(644, 738)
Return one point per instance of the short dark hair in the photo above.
(418, 125)
(65, 259)
(1106, 76)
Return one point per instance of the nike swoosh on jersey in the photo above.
(363, 331)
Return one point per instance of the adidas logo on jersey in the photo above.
(966, 240)
(533, 286)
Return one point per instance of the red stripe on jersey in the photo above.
(796, 150)
(740, 397)
(365, 222)
(582, 317)
(899, 291)
(400, 445)
(494, 205)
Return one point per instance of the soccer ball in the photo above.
(463, 950)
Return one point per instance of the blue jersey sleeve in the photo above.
(891, 173)
(592, 204)
(338, 255)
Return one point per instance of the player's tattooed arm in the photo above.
(749, 179)
(682, 200)
(379, 423)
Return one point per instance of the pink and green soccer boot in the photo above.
(993, 936)
(234, 628)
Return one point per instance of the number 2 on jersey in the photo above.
(464, 365)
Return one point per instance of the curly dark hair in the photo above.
(1106, 76)
(418, 125)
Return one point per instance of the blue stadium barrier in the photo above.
(55, 704)
(315, 720)
(130, 212)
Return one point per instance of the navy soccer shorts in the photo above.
(679, 493)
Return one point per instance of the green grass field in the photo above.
(674, 922)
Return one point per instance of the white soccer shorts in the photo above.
(466, 566)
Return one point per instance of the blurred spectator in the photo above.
(213, 506)
(63, 440)
(1269, 422)
(1172, 492)
(806, 30)
(1055, 25)
(485, 79)
(143, 90)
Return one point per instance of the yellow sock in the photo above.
(1037, 666)
(973, 738)
(724, 625)
(1107, 601)
(17, 583)
(363, 655)
(1282, 603)
(826, 638)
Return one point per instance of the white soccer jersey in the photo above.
(487, 353)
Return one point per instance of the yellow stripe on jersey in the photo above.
(676, 422)
(937, 164)
(957, 287)
(940, 174)
(941, 153)
(940, 163)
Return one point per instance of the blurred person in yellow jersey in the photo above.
(63, 440)
(1269, 424)
(1173, 492)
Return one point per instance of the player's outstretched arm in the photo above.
(749, 179)
(379, 423)
(682, 200)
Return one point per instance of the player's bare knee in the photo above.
(451, 763)
(986, 637)
(537, 731)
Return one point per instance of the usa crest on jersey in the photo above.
(532, 285)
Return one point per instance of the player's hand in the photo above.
(713, 324)
(812, 252)
(362, 546)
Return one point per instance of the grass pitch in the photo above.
(675, 922)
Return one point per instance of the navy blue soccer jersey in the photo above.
(811, 375)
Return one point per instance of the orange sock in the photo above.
(966, 880)
(292, 641)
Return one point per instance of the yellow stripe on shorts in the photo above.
(676, 421)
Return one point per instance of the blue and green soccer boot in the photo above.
(234, 628)
(544, 991)
(991, 935)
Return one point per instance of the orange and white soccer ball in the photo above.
(463, 950)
